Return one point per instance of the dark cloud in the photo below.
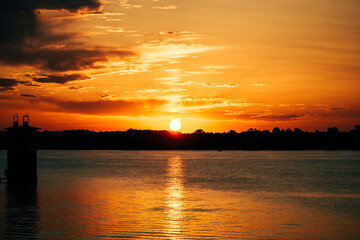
(19, 22)
(337, 108)
(70, 5)
(25, 39)
(264, 117)
(28, 95)
(274, 117)
(64, 78)
(75, 88)
(9, 84)
(58, 59)
(335, 112)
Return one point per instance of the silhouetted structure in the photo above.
(21, 152)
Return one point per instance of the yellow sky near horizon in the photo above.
(215, 65)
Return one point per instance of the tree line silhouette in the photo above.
(252, 139)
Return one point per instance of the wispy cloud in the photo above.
(160, 90)
(167, 7)
(165, 52)
(258, 84)
(219, 67)
(167, 46)
(176, 37)
(219, 85)
(200, 103)
(175, 81)
(127, 5)
(111, 29)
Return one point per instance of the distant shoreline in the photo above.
(199, 140)
(216, 150)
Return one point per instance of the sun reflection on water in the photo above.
(175, 199)
(196, 195)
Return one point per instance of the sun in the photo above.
(175, 125)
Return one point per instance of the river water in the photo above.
(186, 195)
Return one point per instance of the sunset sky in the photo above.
(215, 64)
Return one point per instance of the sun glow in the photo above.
(175, 125)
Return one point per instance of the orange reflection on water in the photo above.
(175, 198)
(160, 204)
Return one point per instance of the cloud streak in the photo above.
(168, 7)
(61, 79)
(103, 107)
(28, 95)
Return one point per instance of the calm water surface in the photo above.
(186, 195)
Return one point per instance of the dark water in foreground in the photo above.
(186, 195)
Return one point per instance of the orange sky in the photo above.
(215, 65)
